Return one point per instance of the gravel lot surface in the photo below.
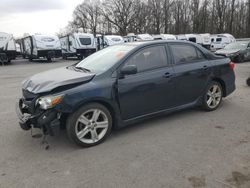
(187, 149)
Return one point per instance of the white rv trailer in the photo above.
(219, 41)
(78, 45)
(41, 46)
(110, 40)
(181, 37)
(131, 37)
(144, 37)
(206, 40)
(164, 37)
(194, 38)
(7, 47)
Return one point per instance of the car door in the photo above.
(151, 89)
(192, 72)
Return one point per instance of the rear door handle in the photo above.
(167, 75)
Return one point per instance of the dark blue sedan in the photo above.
(123, 84)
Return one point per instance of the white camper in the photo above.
(78, 45)
(110, 40)
(144, 37)
(181, 37)
(131, 37)
(194, 38)
(164, 37)
(41, 46)
(7, 47)
(206, 40)
(221, 40)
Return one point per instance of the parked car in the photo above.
(237, 51)
(122, 84)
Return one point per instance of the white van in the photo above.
(7, 48)
(164, 37)
(220, 41)
(41, 46)
(78, 45)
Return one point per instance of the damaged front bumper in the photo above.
(47, 120)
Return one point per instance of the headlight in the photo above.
(49, 101)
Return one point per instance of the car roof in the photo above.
(146, 43)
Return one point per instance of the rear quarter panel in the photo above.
(222, 71)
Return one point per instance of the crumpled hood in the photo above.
(49, 80)
(227, 52)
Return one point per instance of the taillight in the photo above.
(231, 65)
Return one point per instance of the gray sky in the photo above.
(35, 16)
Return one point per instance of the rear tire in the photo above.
(240, 59)
(49, 59)
(212, 98)
(90, 125)
(248, 81)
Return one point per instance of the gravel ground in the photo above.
(187, 149)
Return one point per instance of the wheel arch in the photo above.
(222, 83)
(111, 108)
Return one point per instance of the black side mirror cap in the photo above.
(128, 70)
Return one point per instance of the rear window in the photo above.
(85, 41)
(184, 53)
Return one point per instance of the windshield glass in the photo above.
(103, 60)
(236, 46)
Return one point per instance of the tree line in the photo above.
(161, 16)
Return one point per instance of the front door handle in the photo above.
(167, 75)
(205, 67)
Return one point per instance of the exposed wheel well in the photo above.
(223, 85)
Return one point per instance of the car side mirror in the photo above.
(128, 70)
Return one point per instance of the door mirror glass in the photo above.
(128, 70)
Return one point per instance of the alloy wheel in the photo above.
(91, 126)
(214, 96)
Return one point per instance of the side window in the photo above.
(149, 58)
(186, 53)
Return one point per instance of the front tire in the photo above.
(90, 125)
(248, 81)
(212, 97)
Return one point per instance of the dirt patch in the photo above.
(239, 180)
(245, 140)
(220, 127)
(197, 182)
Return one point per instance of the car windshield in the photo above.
(103, 60)
(236, 46)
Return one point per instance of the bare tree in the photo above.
(162, 16)
(120, 13)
